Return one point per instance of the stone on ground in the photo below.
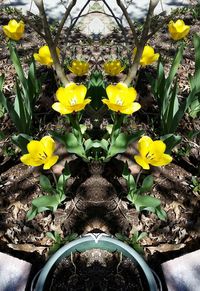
(13, 273)
(183, 273)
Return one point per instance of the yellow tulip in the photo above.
(44, 56)
(71, 99)
(40, 153)
(148, 56)
(151, 153)
(178, 29)
(113, 68)
(79, 68)
(121, 98)
(14, 30)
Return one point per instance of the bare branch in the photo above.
(77, 17)
(117, 21)
(52, 47)
(27, 20)
(131, 24)
(67, 12)
(143, 39)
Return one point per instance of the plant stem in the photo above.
(52, 46)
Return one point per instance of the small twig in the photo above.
(77, 17)
(67, 12)
(54, 177)
(26, 19)
(52, 47)
(131, 24)
(138, 177)
(141, 44)
(117, 21)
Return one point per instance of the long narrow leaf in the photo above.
(175, 65)
(16, 62)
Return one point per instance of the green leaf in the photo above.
(17, 64)
(63, 179)
(50, 235)
(31, 213)
(129, 178)
(194, 109)
(121, 143)
(96, 89)
(141, 236)
(21, 140)
(71, 143)
(48, 202)
(171, 140)
(45, 184)
(174, 67)
(162, 215)
(146, 203)
(147, 184)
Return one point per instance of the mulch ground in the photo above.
(179, 234)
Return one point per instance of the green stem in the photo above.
(75, 125)
(118, 120)
(138, 177)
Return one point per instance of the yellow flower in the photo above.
(40, 153)
(151, 153)
(14, 29)
(44, 56)
(148, 56)
(113, 68)
(79, 68)
(121, 98)
(178, 29)
(71, 99)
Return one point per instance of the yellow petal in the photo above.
(158, 147)
(29, 160)
(61, 95)
(50, 162)
(162, 161)
(48, 144)
(133, 107)
(80, 93)
(144, 145)
(35, 147)
(140, 161)
(59, 107)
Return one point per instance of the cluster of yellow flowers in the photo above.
(149, 153)
(72, 98)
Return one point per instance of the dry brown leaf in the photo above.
(27, 248)
(162, 248)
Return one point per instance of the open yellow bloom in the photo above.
(79, 68)
(113, 68)
(151, 153)
(44, 56)
(40, 153)
(148, 56)
(14, 29)
(178, 29)
(121, 98)
(71, 99)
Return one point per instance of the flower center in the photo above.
(119, 101)
(73, 101)
(42, 156)
(150, 156)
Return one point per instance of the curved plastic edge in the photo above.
(98, 241)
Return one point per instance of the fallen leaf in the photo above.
(27, 248)
(162, 248)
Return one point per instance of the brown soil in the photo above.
(96, 270)
(102, 207)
